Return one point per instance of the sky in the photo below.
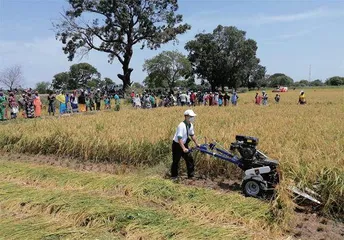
(291, 36)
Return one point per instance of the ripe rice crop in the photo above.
(307, 140)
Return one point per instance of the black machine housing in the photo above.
(251, 157)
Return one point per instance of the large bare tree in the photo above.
(12, 77)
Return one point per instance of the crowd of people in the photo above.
(190, 98)
(30, 103)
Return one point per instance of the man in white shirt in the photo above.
(181, 139)
(183, 98)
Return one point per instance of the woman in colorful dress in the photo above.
(13, 105)
(29, 106)
(38, 105)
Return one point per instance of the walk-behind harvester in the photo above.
(261, 174)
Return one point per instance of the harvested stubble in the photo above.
(62, 203)
(307, 140)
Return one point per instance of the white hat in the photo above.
(190, 113)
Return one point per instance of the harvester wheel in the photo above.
(251, 188)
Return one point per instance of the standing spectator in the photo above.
(226, 99)
(137, 101)
(22, 104)
(117, 102)
(74, 102)
(265, 98)
(183, 98)
(205, 98)
(193, 98)
(81, 101)
(29, 106)
(51, 104)
(216, 99)
(13, 105)
(257, 98)
(234, 99)
(68, 104)
(107, 102)
(37, 105)
(211, 99)
(97, 99)
(2, 106)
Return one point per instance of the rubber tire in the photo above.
(250, 194)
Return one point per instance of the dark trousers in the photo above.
(98, 106)
(177, 153)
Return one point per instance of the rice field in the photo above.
(60, 203)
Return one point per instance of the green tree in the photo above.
(118, 25)
(335, 81)
(167, 68)
(257, 77)
(108, 81)
(137, 85)
(80, 74)
(304, 83)
(43, 87)
(280, 79)
(224, 57)
(317, 83)
(61, 81)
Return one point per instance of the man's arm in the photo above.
(194, 140)
(180, 141)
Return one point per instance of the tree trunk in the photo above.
(126, 76)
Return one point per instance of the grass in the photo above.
(307, 140)
(81, 205)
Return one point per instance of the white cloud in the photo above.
(293, 17)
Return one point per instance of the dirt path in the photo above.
(310, 226)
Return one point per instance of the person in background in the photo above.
(257, 99)
(180, 145)
(205, 98)
(51, 104)
(220, 102)
(193, 99)
(68, 104)
(302, 98)
(92, 102)
(88, 103)
(13, 105)
(183, 99)
(132, 96)
(2, 106)
(22, 104)
(137, 101)
(117, 102)
(29, 106)
(265, 98)
(211, 99)
(226, 99)
(107, 102)
(74, 102)
(234, 99)
(81, 101)
(152, 100)
(277, 98)
(37, 105)
(97, 99)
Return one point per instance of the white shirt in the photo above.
(183, 97)
(182, 132)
